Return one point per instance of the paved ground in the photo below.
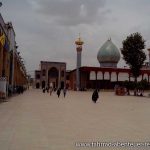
(36, 121)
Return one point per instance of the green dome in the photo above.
(108, 55)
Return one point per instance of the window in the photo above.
(62, 73)
(37, 76)
(67, 77)
(44, 72)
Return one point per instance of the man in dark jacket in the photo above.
(95, 96)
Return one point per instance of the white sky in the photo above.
(47, 29)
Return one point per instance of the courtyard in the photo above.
(38, 121)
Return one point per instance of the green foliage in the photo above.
(133, 53)
(143, 84)
(129, 85)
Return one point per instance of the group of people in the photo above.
(138, 92)
(95, 94)
(16, 90)
(51, 90)
(59, 92)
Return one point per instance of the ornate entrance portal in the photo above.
(53, 75)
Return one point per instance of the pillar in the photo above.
(79, 44)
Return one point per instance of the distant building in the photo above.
(37, 79)
(51, 74)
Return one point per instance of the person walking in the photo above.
(64, 91)
(95, 96)
(51, 88)
(58, 92)
(50, 91)
(43, 90)
(47, 89)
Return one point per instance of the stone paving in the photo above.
(38, 121)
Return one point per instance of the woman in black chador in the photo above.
(95, 96)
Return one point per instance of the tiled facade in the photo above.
(51, 74)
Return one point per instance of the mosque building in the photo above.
(88, 77)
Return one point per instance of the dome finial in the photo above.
(79, 41)
(79, 37)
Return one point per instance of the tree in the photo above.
(144, 84)
(127, 84)
(133, 53)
